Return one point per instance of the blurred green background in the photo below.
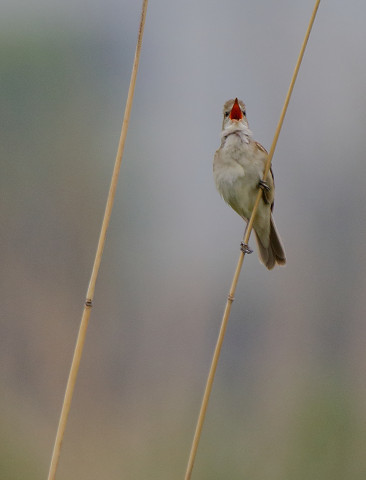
(289, 398)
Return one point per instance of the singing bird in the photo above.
(238, 170)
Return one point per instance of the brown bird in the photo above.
(238, 170)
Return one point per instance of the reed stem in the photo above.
(230, 299)
(97, 260)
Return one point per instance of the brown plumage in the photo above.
(238, 169)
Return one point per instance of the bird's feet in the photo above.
(264, 186)
(245, 248)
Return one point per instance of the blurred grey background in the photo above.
(289, 398)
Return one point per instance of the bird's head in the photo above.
(234, 113)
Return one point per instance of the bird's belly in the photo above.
(238, 186)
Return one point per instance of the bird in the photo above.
(238, 168)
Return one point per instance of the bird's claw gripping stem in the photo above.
(264, 186)
(245, 248)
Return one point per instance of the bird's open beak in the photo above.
(236, 113)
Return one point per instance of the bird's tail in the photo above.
(275, 252)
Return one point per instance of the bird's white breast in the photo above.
(236, 159)
(237, 171)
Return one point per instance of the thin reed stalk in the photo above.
(230, 299)
(98, 257)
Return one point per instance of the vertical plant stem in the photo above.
(230, 299)
(98, 257)
(211, 375)
(280, 122)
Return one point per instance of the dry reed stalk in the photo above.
(230, 299)
(98, 257)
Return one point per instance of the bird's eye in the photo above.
(244, 113)
(226, 114)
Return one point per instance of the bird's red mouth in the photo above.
(236, 113)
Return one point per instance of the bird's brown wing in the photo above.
(264, 193)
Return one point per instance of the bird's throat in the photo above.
(236, 133)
